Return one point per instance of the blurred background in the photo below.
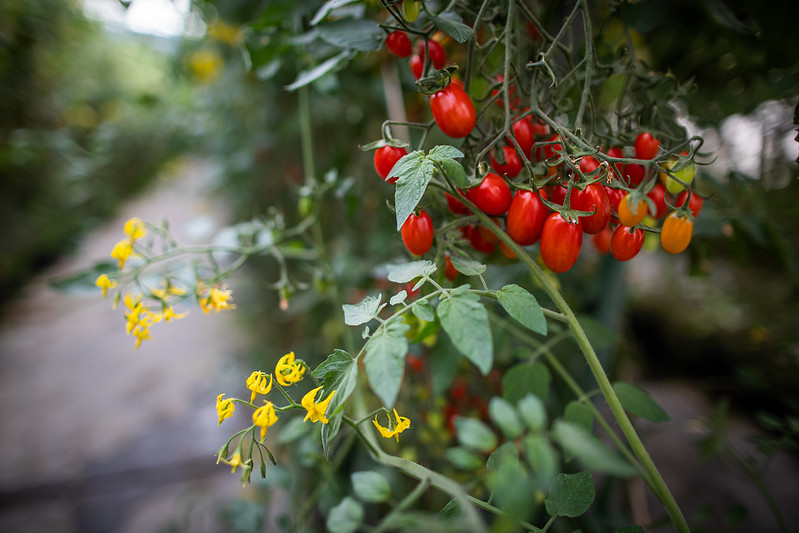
(177, 111)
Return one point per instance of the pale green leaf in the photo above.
(398, 298)
(339, 372)
(385, 360)
(463, 459)
(465, 320)
(541, 456)
(456, 173)
(474, 434)
(444, 151)
(409, 271)
(346, 517)
(411, 185)
(370, 487)
(450, 24)
(591, 451)
(466, 265)
(526, 378)
(362, 35)
(309, 76)
(424, 311)
(533, 412)
(523, 306)
(639, 403)
(505, 417)
(363, 312)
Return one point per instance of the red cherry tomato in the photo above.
(399, 44)
(676, 232)
(417, 65)
(625, 245)
(617, 152)
(560, 243)
(602, 240)
(615, 196)
(416, 364)
(450, 271)
(511, 90)
(557, 194)
(549, 151)
(590, 198)
(385, 158)
(436, 54)
(523, 131)
(631, 215)
(455, 205)
(634, 174)
(526, 217)
(695, 204)
(658, 196)
(646, 146)
(417, 233)
(478, 241)
(453, 111)
(492, 196)
(588, 164)
(512, 165)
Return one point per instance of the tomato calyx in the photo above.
(440, 79)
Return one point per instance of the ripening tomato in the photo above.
(601, 240)
(676, 232)
(646, 146)
(506, 251)
(399, 44)
(450, 271)
(478, 241)
(685, 175)
(526, 217)
(560, 243)
(626, 242)
(658, 197)
(487, 234)
(512, 165)
(492, 196)
(694, 204)
(417, 233)
(588, 164)
(453, 111)
(523, 131)
(455, 205)
(416, 64)
(630, 215)
(634, 174)
(384, 160)
(434, 51)
(590, 198)
(411, 9)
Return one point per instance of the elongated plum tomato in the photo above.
(560, 243)
(694, 204)
(676, 233)
(450, 271)
(590, 198)
(455, 205)
(478, 240)
(615, 196)
(646, 146)
(630, 215)
(602, 240)
(526, 217)
(411, 9)
(399, 44)
(492, 196)
(588, 164)
(658, 197)
(417, 233)
(434, 51)
(453, 111)
(385, 159)
(523, 131)
(416, 64)
(617, 152)
(625, 245)
(512, 165)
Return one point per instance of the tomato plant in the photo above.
(560, 243)
(593, 197)
(492, 195)
(526, 217)
(453, 111)
(626, 242)
(417, 233)
(676, 232)
(646, 146)
(399, 44)
(384, 160)
(630, 215)
(512, 165)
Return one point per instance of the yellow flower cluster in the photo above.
(214, 299)
(135, 229)
(139, 317)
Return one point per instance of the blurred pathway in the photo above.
(97, 436)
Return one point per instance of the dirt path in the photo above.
(97, 436)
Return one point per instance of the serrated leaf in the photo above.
(570, 494)
(361, 313)
(370, 487)
(352, 34)
(463, 459)
(639, 403)
(339, 372)
(455, 29)
(505, 417)
(456, 173)
(411, 185)
(385, 360)
(309, 76)
(466, 265)
(398, 298)
(526, 378)
(345, 517)
(326, 8)
(591, 451)
(533, 412)
(444, 151)
(409, 271)
(465, 320)
(474, 434)
(523, 306)
(424, 311)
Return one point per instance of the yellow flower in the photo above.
(236, 461)
(122, 251)
(400, 425)
(287, 371)
(206, 65)
(258, 385)
(168, 315)
(135, 229)
(224, 408)
(217, 300)
(166, 290)
(264, 417)
(141, 334)
(105, 283)
(316, 410)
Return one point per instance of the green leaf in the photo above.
(409, 271)
(370, 487)
(506, 456)
(579, 414)
(541, 457)
(465, 320)
(524, 379)
(424, 311)
(522, 306)
(463, 459)
(456, 173)
(505, 417)
(385, 360)
(591, 451)
(411, 185)
(445, 365)
(450, 24)
(571, 494)
(361, 313)
(444, 151)
(339, 372)
(474, 434)
(309, 76)
(293, 430)
(639, 403)
(353, 34)
(345, 517)
(466, 265)
(329, 6)
(450, 511)
(533, 412)
(398, 298)
(83, 282)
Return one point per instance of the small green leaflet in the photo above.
(398, 298)
(465, 320)
(533, 412)
(424, 311)
(350, 34)
(355, 315)
(463, 459)
(309, 76)
(345, 517)
(639, 403)
(450, 23)
(505, 417)
(338, 372)
(409, 271)
(475, 435)
(591, 451)
(526, 378)
(443, 152)
(370, 487)
(466, 265)
(456, 173)
(541, 456)
(385, 360)
(570, 494)
(522, 306)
